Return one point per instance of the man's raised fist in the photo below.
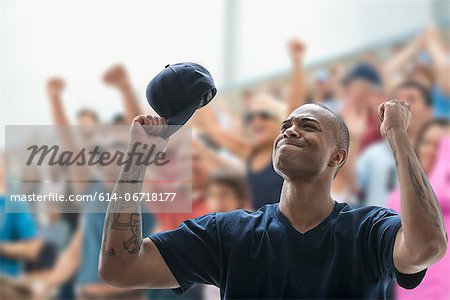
(296, 49)
(55, 86)
(115, 75)
(394, 114)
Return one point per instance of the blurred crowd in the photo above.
(55, 255)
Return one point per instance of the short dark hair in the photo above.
(341, 133)
(233, 180)
(87, 112)
(426, 127)
(118, 119)
(426, 95)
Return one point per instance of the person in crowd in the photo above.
(375, 168)
(226, 191)
(441, 68)
(19, 239)
(363, 92)
(118, 78)
(261, 120)
(78, 259)
(432, 148)
(322, 90)
(374, 245)
(433, 74)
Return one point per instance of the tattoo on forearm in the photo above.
(394, 152)
(129, 181)
(133, 243)
(421, 187)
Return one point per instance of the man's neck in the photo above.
(305, 204)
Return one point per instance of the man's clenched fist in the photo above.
(55, 86)
(394, 114)
(115, 76)
(147, 129)
(296, 49)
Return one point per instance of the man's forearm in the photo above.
(297, 87)
(22, 250)
(122, 232)
(132, 108)
(58, 113)
(421, 215)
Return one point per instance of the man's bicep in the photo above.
(150, 270)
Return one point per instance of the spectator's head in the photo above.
(87, 116)
(423, 75)
(263, 118)
(313, 144)
(322, 88)
(226, 191)
(419, 99)
(362, 83)
(119, 119)
(428, 141)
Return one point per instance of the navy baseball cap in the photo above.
(178, 91)
(363, 71)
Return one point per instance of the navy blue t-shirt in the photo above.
(260, 255)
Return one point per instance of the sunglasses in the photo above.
(263, 115)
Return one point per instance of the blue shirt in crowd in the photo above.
(441, 103)
(376, 174)
(265, 186)
(260, 255)
(15, 227)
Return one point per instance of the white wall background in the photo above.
(78, 40)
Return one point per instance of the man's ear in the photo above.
(338, 158)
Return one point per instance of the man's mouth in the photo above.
(292, 142)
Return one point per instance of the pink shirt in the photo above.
(436, 284)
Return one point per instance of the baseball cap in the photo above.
(363, 71)
(178, 91)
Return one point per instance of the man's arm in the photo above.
(65, 267)
(117, 77)
(209, 123)
(439, 58)
(26, 249)
(400, 59)
(422, 240)
(55, 87)
(127, 260)
(297, 86)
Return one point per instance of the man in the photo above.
(261, 120)
(307, 246)
(375, 168)
(19, 240)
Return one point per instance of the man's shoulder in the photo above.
(366, 214)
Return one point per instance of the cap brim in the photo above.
(180, 119)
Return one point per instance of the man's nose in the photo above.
(291, 133)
